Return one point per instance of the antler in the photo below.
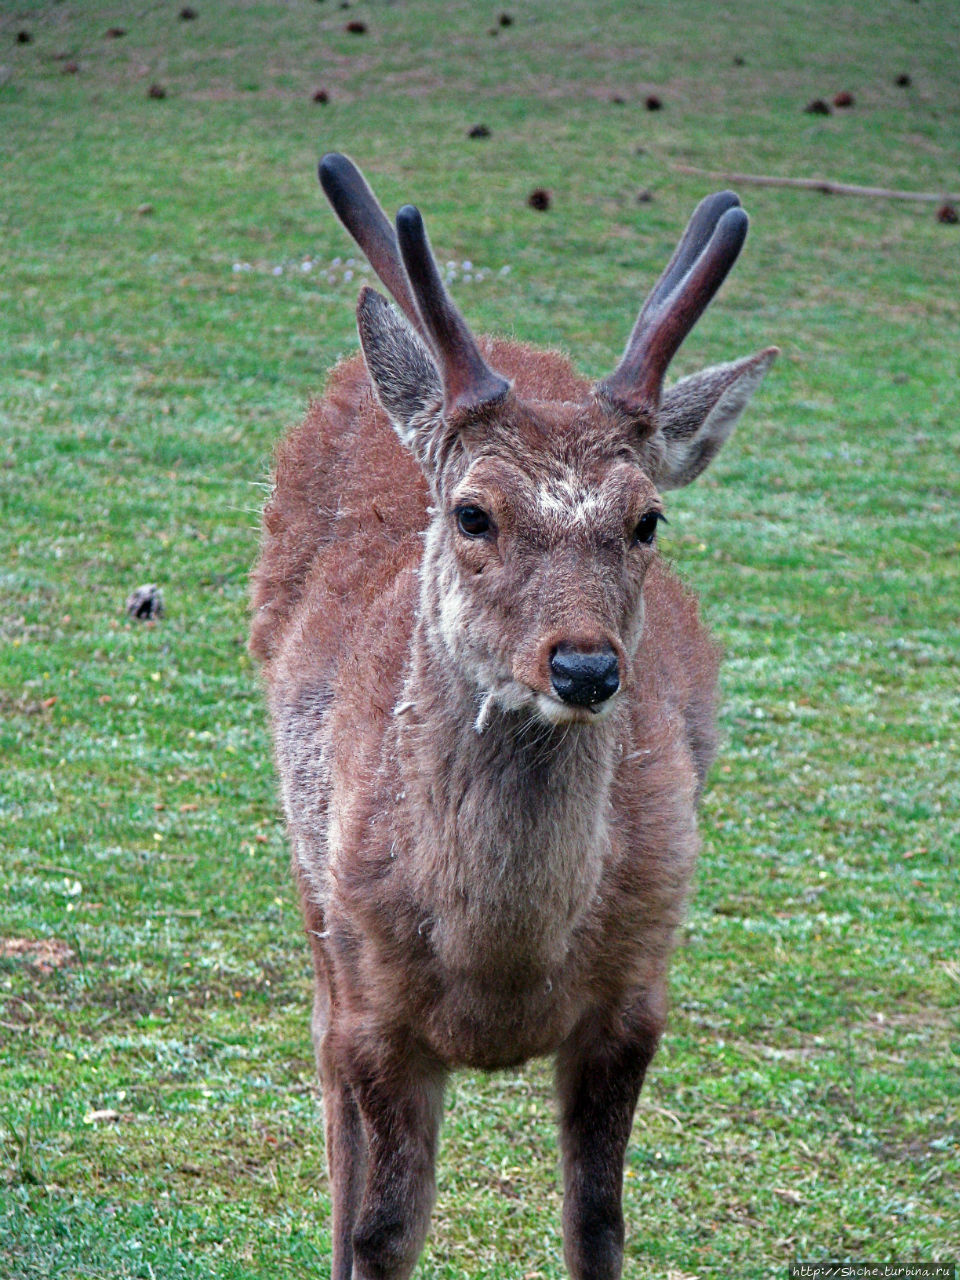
(468, 382)
(410, 273)
(359, 210)
(700, 262)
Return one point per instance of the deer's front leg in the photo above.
(401, 1102)
(599, 1074)
(346, 1163)
(345, 1141)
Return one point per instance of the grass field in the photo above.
(173, 290)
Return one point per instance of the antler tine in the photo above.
(358, 209)
(468, 381)
(692, 243)
(678, 300)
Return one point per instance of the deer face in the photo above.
(544, 515)
(535, 561)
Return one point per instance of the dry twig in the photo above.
(816, 184)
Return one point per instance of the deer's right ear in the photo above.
(402, 371)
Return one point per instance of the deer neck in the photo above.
(511, 821)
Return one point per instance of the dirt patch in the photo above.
(130, 1001)
(45, 954)
(24, 705)
(912, 1020)
(914, 1150)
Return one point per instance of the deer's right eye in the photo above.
(473, 522)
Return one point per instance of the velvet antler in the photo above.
(468, 382)
(706, 252)
(405, 264)
(359, 210)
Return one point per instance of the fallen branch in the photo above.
(817, 184)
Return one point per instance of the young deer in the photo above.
(493, 709)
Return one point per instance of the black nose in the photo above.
(584, 679)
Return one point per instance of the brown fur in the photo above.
(488, 870)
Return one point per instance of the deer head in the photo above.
(545, 514)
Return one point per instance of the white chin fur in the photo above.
(512, 696)
(556, 712)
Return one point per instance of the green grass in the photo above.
(804, 1103)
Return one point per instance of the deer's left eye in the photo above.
(646, 527)
(473, 522)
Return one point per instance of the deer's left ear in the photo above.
(697, 415)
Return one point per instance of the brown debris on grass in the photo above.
(145, 603)
(356, 27)
(478, 131)
(156, 91)
(817, 107)
(843, 99)
(947, 213)
(653, 103)
(321, 96)
(539, 198)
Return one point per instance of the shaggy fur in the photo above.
(486, 873)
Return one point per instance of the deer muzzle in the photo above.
(584, 678)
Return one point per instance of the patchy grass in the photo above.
(160, 327)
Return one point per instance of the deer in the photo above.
(493, 709)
